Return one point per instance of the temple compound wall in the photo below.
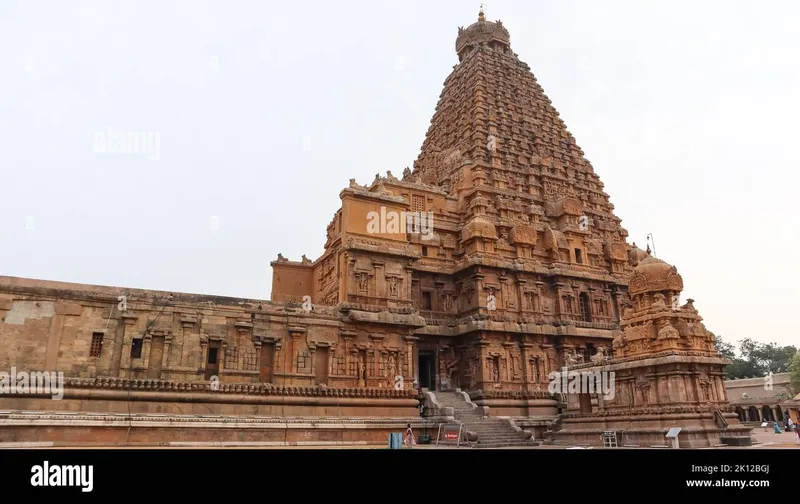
(137, 352)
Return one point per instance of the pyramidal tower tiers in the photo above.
(509, 266)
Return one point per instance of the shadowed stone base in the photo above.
(115, 411)
(698, 430)
(104, 429)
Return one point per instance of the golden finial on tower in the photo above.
(481, 15)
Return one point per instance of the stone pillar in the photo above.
(380, 279)
(312, 352)
(538, 301)
(519, 293)
(354, 359)
(410, 346)
(122, 348)
(352, 281)
(148, 339)
(438, 303)
(408, 289)
(347, 336)
(606, 303)
(204, 352)
(165, 355)
(483, 356)
(524, 350)
(331, 360)
(479, 291)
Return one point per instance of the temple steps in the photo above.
(491, 432)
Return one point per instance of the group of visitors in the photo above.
(790, 426)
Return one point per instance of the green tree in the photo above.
(773, 357)
(754, 358)
(794, 369)
(739, 368)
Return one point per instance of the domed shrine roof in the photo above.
(654, 275)
(481, 32)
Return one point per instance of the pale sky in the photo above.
(686, 109)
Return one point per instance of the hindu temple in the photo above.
(450, 292)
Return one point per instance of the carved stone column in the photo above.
(408, 288)
(348, 337)
(312, 352)
(223, 349)
(148, 338)
(592, 312)
(354, 359)
(519, 294)
(524, 350)
(380, 279)
(480, 291)
(204, 353)
(352, 281)
(331, 360)
(410, 343)
(165, 356)
(126, 341)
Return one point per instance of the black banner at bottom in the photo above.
(305, 472)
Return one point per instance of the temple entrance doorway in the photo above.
(425, 365)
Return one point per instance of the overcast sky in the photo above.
(264, 110)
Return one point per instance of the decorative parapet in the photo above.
(147, 420)
(387, 317)
(233, 388)
(666, 410)
(509, 394)
(670, 353)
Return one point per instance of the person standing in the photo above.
(409, 436)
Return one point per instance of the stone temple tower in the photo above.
(521, 266)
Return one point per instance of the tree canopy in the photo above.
(756, 359)
(794, 368)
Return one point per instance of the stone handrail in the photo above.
(434, 411)
(483, 410)
(510, 421)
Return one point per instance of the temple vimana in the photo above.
(447, 294)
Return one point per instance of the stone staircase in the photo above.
(492, 432)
